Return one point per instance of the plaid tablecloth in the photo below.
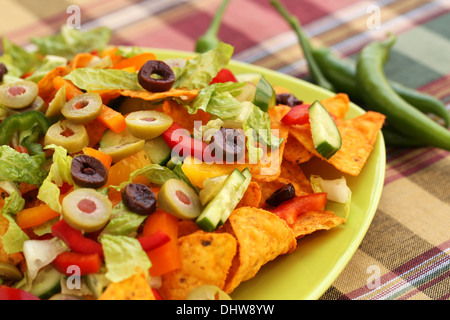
(409, 238)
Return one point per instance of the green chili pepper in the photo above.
(341, 73)
(379, 95)
(35, 122)
(394, 139)
(316, 72)
(209, 40)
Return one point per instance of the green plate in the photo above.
(320, 257)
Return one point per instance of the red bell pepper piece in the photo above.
(157, 294)
(180, 139)
(7, 293)
(154, 240)
(224, 75)
(75, 240)
(88, 263)
(297, 115)
(290, 209)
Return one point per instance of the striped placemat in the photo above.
(408, 242)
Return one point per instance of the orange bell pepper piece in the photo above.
(35, 216)
(120, 171)
(95, 131)
(165, 258)
(112, 119)
(136, 61)
(71, 89)
(104, 158)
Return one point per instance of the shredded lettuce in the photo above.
(198, 72)
(68, 42)
(92, 79)
(123, 257)
(20, 167)
(337, 190)
(59, 173)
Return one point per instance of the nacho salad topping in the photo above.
(124, 175)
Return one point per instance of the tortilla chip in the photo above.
(206, 259)
(358, 137)
(290, 173)
(185, 95)
(136, 287)
(309, 222)
(186, 227)
(296, 152)
(261, 237)
(338, 105)
(81, 60)
(252, 196)
(46, 89)
(180, 115)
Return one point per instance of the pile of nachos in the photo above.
(44, 255)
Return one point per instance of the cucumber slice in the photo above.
(264, 95)
(211, 187)
(47, 283)
(238, 195)
(211, 215)
(325, 133)
(158, 151)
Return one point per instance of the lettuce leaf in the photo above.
(50, 62)
(17, 60)
(219, 100)
(198, 72)
(14, 236)
(123, 222)
(123, 255)
(59, 173)
(20, 167)
(70, 41)
(40, 253)
(92, 79)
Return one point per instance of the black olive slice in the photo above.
(88, 172)
(228, 144)
(287, 99)
(164, 80)
(139, 198)
(283, 194)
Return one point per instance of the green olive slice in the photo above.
(10, 272)
(55, 106)
(37, 105)
(73, 137)
(179, 199)
(18, 95)
(148, 124)
(120, 145)
(83, 108)
(86, 209)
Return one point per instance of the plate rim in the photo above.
(337, 269)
